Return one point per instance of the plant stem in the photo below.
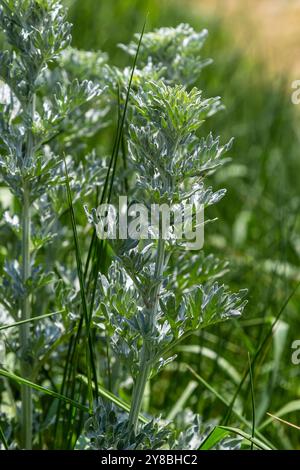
(25, 363)
(26, 413)
(139, 389)
(146, 354)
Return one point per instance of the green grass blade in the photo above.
(29, 320)
(3, 439)
(215, 436)
(116, 146)
(62, 388)
(119, 138)
(253, 440)
(179, 405)
(211, 354)
(259, 350)
(252, 398)
(99, 246)
(102, 391)
(226, 403)
(90, 364)
(42, 389)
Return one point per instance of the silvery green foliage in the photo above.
(88, 118)
(193, 431)
(200, 266)
(165, 148)
(126, 303)
(37, 32)
(85, 177)
(83, 64)
(118, 79)
(107, 429)
(229, 443)
(171, 54)
(175, 51)
(42, 169)
(37, 103)
(145, 311)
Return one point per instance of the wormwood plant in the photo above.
(123, 305)
(36, 33)
(147, 313)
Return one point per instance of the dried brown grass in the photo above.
(269, 28)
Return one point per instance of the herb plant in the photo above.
(36, 33)
(147, 315)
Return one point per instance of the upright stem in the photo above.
(146, 356)
(25, 363)
(26, 413)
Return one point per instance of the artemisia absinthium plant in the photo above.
(36, 33)
(144, 309)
